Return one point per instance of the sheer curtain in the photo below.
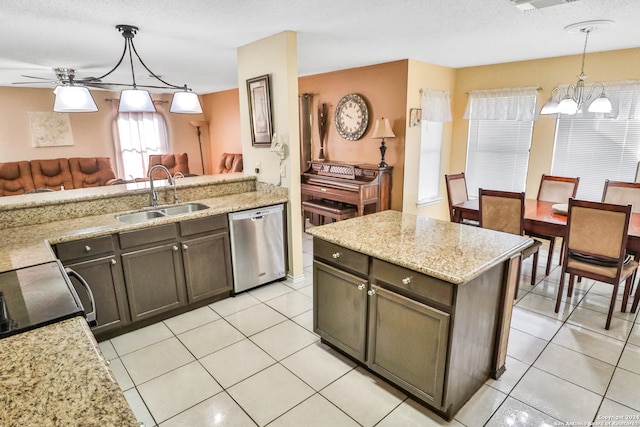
(502, 104)
(139, 135)
(436, 109)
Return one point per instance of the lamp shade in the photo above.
(382, 129)
(73, 99)
(185, 103)
(136, 101)
(550, 107)
(601, 105)
(568, 105)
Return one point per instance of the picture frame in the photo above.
(260, 110)
(415, 117)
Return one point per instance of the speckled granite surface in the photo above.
(56, 376)
(448, 251)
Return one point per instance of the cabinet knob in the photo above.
(361, 286)
(336, 255)
(87, 248)
(406, 280)
(113, 261)
(185, 247)
(371, 292)
(175, 248)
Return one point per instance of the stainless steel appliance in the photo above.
(257, 246)
(38, 295)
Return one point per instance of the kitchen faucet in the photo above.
(153, 195)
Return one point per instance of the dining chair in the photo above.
(556, 189)
(504, 211)
(595, 247)
(622, 193)
(457, 193)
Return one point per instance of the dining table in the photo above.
(542, 219)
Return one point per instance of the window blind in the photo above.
(596, 149)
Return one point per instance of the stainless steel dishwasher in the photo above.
(257, 246)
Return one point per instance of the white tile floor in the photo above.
(254, 360)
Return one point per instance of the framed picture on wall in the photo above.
(260, 110)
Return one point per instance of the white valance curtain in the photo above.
(502, 104)
(436, 106)
(624, 97)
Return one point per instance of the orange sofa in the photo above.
(54, 174)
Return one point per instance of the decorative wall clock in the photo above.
(352, 117)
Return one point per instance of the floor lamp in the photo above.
(197, 124)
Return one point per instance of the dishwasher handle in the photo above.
(91, 316)
(258, 217)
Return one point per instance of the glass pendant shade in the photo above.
(185, 103)
(73, 99)
(136, 101)
(568, 106)
(601, 104)
(550, 107)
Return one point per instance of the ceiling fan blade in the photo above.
(35, 83)
(35, 77)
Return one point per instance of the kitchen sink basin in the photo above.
(146, 215)
(139, 216)
(181, 209)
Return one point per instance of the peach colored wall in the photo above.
(92, 132)
(222, 111)
(384, 87)
(545, 73)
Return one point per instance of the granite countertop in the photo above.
(57, 376)
(449, 251)
(29, 245)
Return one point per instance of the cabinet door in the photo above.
(340, 309)
(154, 280)
(207, 266)
(408, 343)
(104, 277)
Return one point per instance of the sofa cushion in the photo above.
(51, 173)
(15, 178)
(229, 162)
(91, 171)
(175, 162)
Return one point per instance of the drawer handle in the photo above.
(371, 292)
(406, 280)
(361, 286)
(185, 247)
(87, 248)
(336, 255)
(175, 247)
(113, 261)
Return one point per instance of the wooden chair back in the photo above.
(456, 190)
(557, 189)
(502, 211)
(622, 193)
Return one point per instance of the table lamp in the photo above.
(382, 130)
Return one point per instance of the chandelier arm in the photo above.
(133, 74)
(117, 65)
(132, 47)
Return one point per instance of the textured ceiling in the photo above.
(195, 41)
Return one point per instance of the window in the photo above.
(436, 109)
(429, 175)
(500, 130)
(139, 135)
(598, 147)
(596, 150)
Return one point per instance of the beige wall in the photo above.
(276, 56)
(92, 132)
(222, 112)
(384, 86)
(422, 76)
(545, 73)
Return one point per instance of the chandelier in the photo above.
(72, 97)
(572, 99)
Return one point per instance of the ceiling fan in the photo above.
(64, 76)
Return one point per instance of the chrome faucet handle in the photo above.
(178, 175)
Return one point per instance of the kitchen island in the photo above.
(425, 304)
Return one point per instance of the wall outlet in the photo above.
(258, 167)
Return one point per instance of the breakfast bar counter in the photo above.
(423, 303)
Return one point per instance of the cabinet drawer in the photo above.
(84, 248)
(202, 225)
(413, 282)
(341, 256)
(146, 236)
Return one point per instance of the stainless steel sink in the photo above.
(182, 209)
(139, 216)
(146, 215)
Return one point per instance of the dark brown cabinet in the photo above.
(95, 261)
